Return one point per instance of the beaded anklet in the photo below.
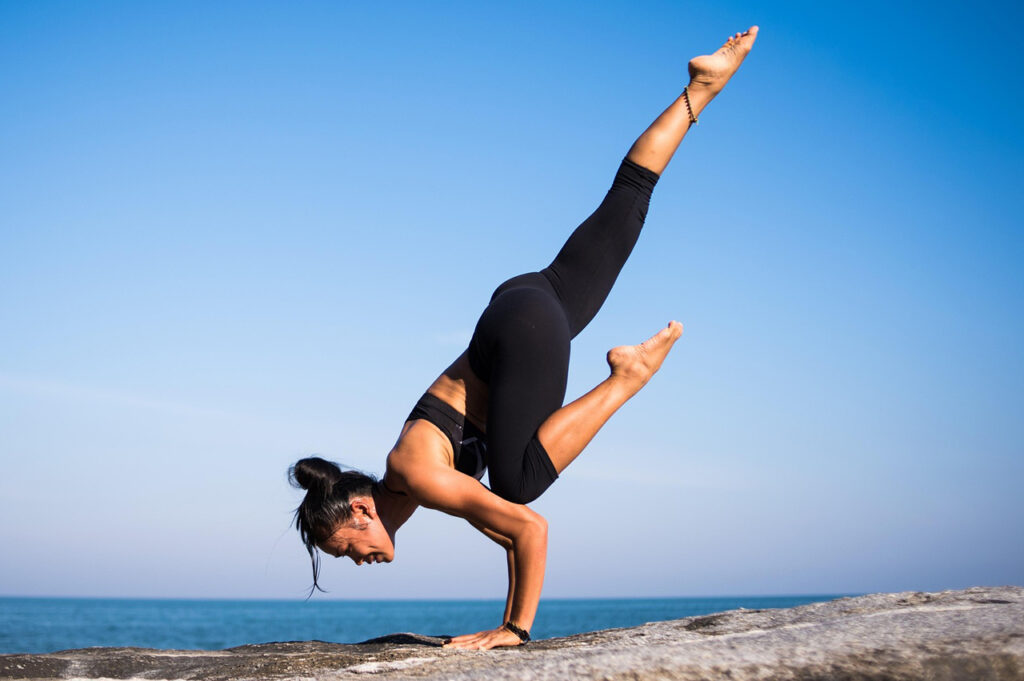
(689, 109)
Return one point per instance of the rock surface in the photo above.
(975, 635)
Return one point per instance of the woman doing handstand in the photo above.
(499, 405)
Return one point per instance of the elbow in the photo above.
(535, 528)
(531, 541)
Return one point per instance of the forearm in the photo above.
(528, 562)
(511, 556)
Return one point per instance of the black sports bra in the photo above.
(469, 444)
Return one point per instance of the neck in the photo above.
(393, 509)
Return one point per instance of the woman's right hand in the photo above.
(485, 640)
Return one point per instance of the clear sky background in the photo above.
(234, 234)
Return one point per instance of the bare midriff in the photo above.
(463, 391)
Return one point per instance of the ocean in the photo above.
(44, 625)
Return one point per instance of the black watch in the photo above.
(523, 634)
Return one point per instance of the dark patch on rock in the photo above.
(413, 639)
(916, 598)
(703, 622)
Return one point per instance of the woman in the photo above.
(499, 405)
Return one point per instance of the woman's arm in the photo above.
(455, 493)
(506, 544)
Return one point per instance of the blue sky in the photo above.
(235, 234)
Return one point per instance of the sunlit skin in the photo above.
(420, 468)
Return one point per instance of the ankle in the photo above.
(623, 385)
(700, 95)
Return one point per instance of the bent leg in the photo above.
(569, 430)
(522, 340)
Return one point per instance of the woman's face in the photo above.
(363, 538)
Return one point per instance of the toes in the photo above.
(670, 333)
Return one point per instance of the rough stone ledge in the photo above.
(976, 634)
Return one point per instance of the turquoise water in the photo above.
(43, 625)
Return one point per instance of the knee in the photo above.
(516, 493)
(535, 476)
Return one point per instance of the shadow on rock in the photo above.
(409, 639)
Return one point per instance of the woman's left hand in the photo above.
(485, 640)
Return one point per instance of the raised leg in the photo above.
(568, 430)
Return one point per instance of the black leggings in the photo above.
(520, 346)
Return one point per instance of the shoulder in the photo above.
(422, 461)
(421, 446)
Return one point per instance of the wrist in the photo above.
(523, 634)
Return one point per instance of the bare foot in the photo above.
(637, 363)
(713, 71)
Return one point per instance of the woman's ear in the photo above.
(362, 510)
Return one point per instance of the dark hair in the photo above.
(326, 504)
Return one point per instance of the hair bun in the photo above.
(315, 475)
